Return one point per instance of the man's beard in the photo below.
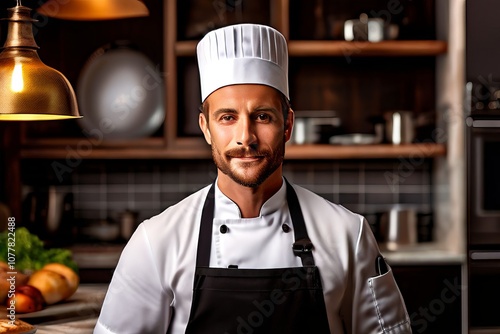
(272, 161)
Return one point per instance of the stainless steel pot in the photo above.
(128, 223)
(49, 213)
(312, 125)
(400, 127)
(398, 227)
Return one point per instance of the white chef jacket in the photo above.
(152, 285)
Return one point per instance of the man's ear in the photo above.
(289, 124)
(203, 122)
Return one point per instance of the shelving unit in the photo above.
(177, 54)
(181, 51)
(151, 150)
(342, 48)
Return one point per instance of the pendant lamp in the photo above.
(93, 9)
(30, 90)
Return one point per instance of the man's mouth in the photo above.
(246, 157)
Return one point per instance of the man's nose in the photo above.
(245, 133)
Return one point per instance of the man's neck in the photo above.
(250, 200)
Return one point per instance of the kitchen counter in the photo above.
(82, 326)
(423, 254)
(77, 315)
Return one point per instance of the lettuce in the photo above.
(30, 253)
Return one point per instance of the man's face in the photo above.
(247, 132)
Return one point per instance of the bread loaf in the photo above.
(15, 327)
(55, 281)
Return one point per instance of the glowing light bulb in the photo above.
(17, 82)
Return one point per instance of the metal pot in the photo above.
(49, 213)
(398, 227)
(314, 126)
(128, 223)
(399, 126)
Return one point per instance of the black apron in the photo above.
(234, 301)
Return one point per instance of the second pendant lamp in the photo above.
(89, 10)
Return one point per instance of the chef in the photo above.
(251, 253)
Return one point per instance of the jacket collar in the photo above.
(225, 208)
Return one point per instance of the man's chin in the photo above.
(247, 181)
(251, 174)
(245, 164)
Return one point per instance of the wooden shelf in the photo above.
(346, 49)
(351, 49)
(88, 143)
(378, 151)
(114, 153)
(293, 152)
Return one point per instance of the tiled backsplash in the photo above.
(105, 188)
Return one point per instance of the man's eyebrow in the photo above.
(266, 108)
(224, 111)
(255, 110)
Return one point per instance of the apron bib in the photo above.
(257, 301)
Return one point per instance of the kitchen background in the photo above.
(103, 191)
(101, 185)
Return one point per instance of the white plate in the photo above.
(120, 95)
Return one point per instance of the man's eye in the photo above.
(263, 117)
(227, 118)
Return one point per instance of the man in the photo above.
(251, 253)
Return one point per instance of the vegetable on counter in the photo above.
(30, 253)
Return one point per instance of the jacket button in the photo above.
(285, 228)
(223, 229)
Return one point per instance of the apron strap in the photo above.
(301, 247)
(205, 238)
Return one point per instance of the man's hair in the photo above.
(285, 107)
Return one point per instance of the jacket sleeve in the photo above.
(135, 301)
(378, 305)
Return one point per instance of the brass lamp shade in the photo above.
(93, 9)
(30, 90)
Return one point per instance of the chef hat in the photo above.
(243, 54)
